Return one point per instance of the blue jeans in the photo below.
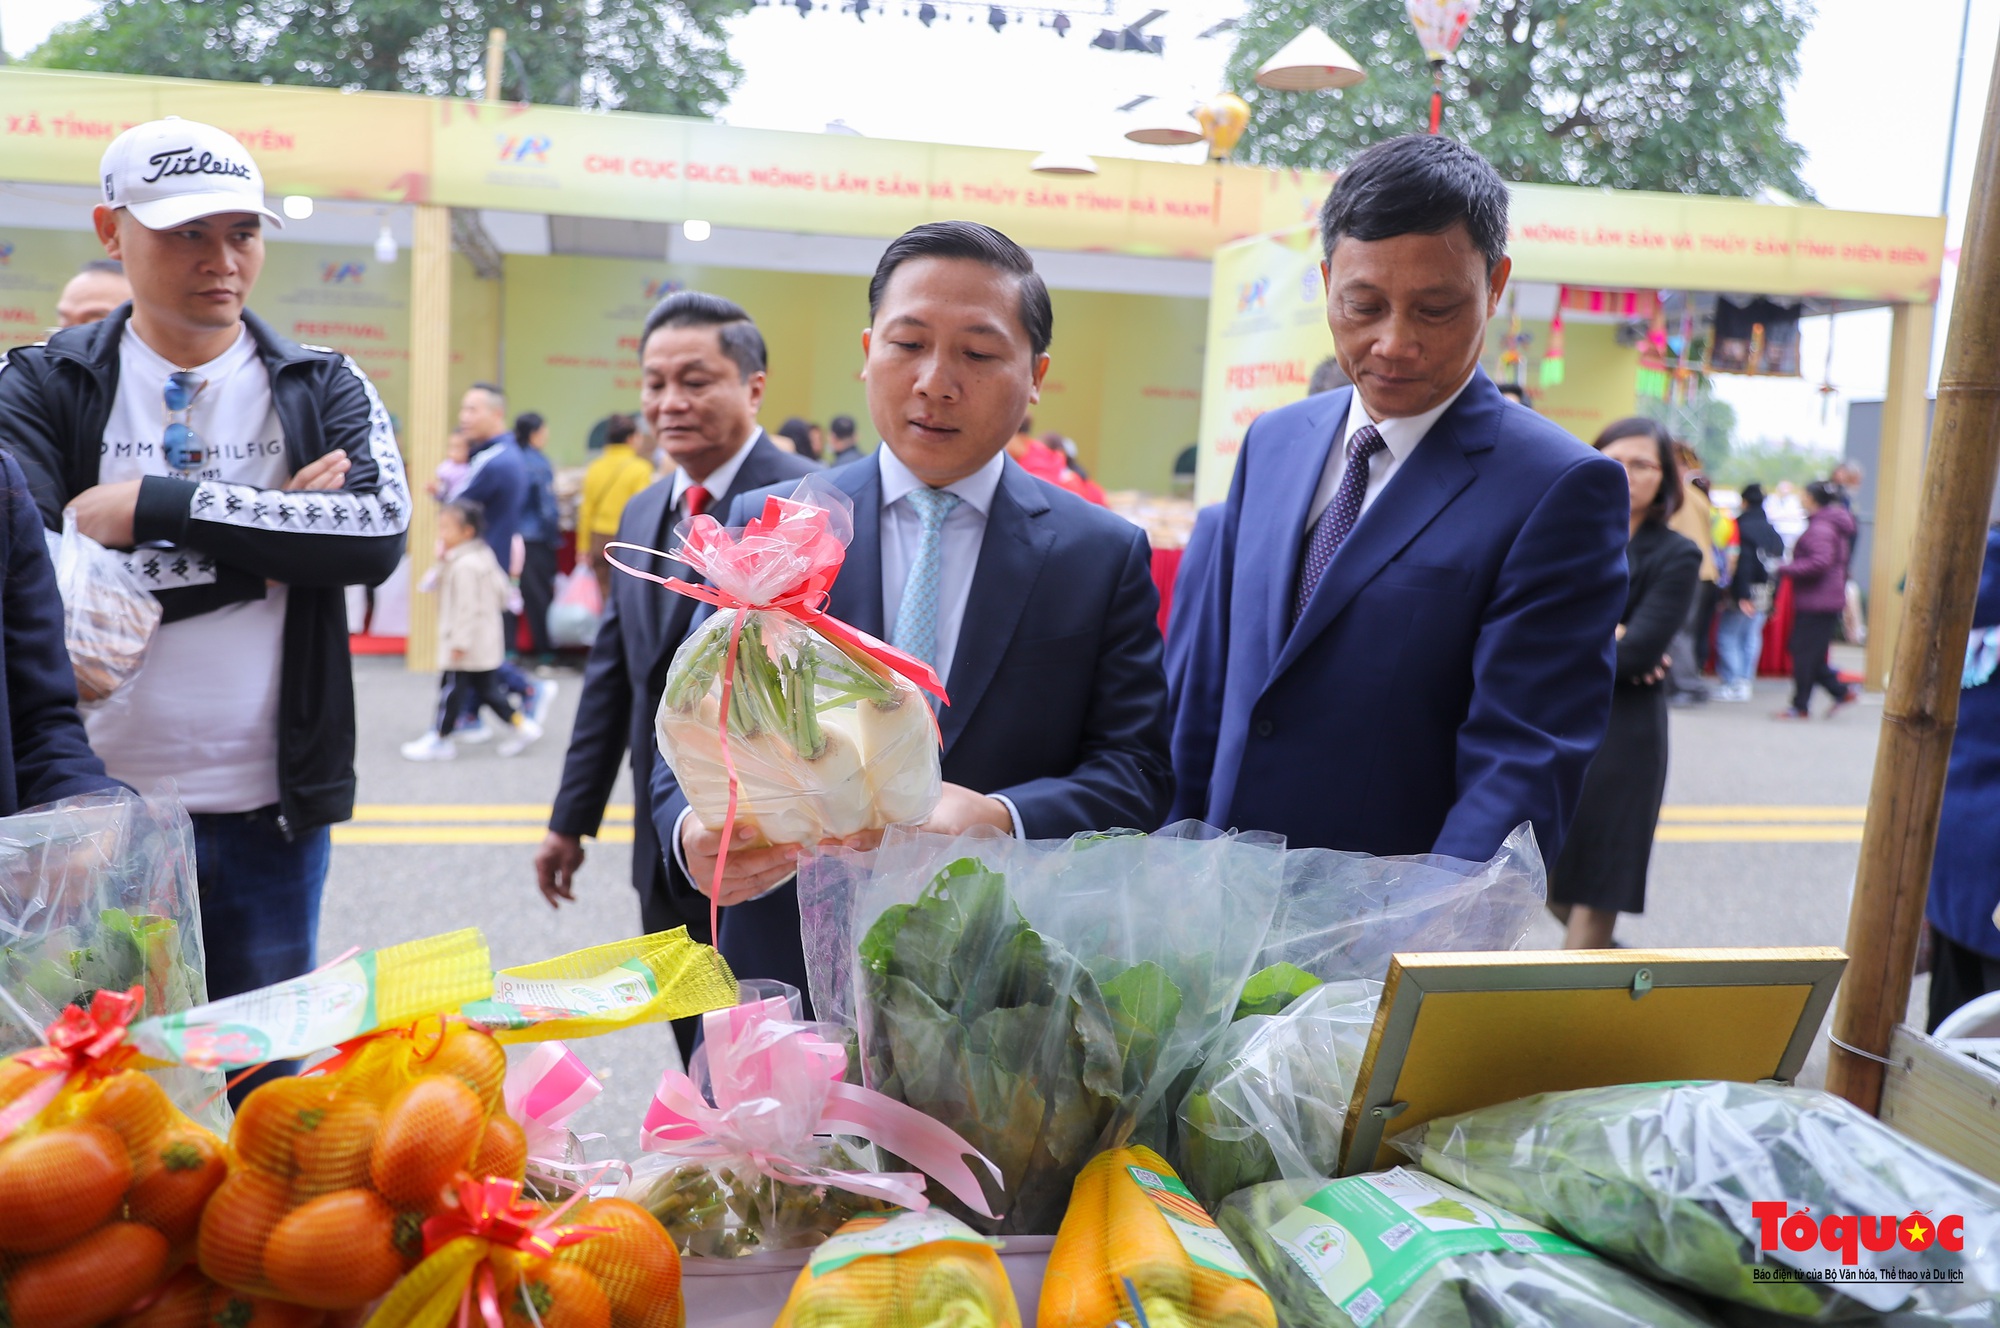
(259, 904)
(1739, 643)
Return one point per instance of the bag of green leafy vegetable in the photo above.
(98, 893)
(1270, 1102)
(1343, 915)
(1042, 999)
(1398, 1249)
(1678, 1181)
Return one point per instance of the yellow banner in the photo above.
(1586, 237)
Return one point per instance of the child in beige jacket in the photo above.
(472, 597)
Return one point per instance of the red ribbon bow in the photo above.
(493, 1210)
(81, 1042)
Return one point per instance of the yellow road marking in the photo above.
(1758, 834)
(1705, 815)
(461, 834)
(423, 813)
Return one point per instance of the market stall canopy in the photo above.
(391, 147)
(1456, 1032)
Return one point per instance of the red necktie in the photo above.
(697, 500)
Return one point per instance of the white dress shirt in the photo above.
(718, 482)
(1399, 439)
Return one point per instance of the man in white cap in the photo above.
(253, 479)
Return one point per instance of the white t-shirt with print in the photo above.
(204, 708)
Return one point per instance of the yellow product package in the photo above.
(646, 979)
(1133, 1233)
(904, 1270)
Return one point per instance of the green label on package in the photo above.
(279, 1022)
(1190, 1223)
(526, 1002)
(1364, 1240)
(893, 1235)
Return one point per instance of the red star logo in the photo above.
(1918, 1233)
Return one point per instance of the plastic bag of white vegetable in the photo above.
(828, 732)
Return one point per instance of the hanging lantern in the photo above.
(1553, 369)
(1440, 24)
(1223, 118)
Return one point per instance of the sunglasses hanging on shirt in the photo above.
(183, 447)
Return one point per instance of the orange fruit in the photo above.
(332, 1152)
(467, 1052)
(336, 1252)
(503, 1151)
(59, 1184)
(274, 1115)
(86, 1283)
(635, 1263)
(237, 1224)
(430, 1131)
(182, 1171)
(563, 1296)
(133, 1106)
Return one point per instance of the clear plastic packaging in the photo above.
(1042, 999)
(1668, 1178)
(98, 893)
(109, 616)
(1344, 914)
(1270, 1102)
(1518, 1282)
(744, 1158)
(825, 739)
(904, 1270)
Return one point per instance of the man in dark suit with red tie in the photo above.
(1397, 636)
(702, 361)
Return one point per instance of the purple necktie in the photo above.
(1336, 523)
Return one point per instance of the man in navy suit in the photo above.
(1036, 608)
(702, 362)
(1399, 636)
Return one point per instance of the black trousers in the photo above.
(1958, 976)
(1704, 623)
(1812, 633)
(465, 692)
(538, 591)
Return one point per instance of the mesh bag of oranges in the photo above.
(190, 1300)
(1136, 1246)
(102, 1179)
(904, 1270)
(514, 1263)
(333, 1174)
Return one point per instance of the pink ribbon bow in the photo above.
(778, 1085)
(784, 560)
(542, 1092)
(78, 1044)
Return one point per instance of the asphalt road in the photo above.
(1758, 846)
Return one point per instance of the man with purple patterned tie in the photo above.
(1399, 636)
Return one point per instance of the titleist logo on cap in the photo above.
(186, 161)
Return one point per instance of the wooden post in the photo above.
(1921, 712)
(431, 413)
(1899, 479)
(496, 62)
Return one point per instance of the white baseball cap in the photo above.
(168, 172)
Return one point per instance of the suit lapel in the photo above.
(1422, 487)
(1017, 541)
(1278, 543)
(857, 592)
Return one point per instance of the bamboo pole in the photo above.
(1921, 711)
(430, 412)
(1899, 481)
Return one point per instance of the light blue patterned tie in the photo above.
(916, 616)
